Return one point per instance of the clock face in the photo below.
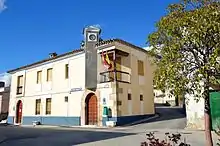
(92, 37)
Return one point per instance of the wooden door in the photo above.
(92, 110)
(19, 112)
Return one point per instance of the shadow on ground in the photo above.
(20, 136)
(163, 113)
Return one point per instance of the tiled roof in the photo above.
(45, 60)
(106, 42)
(102, 43)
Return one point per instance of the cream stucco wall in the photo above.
(57, 89)
(60, 87)
(139, 84)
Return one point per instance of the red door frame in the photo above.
(18, 112)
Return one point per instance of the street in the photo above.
(170, 120)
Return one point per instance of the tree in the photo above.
(188, 41)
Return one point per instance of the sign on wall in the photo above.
(104, 101)
(76, 89)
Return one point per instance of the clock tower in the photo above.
(91, 37)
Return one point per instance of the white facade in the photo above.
(68, 96)
(57, 89)
(194, 112)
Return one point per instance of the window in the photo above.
(140, 67)
(38, 106)
(119, 102)
(66, 98)
(118, 68)
(141, 97)
(48, 106)
(67, 71)
(49, 74)
(129, 96)
(39, 77)
(20, 81)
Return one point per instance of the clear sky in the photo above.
(30, 29)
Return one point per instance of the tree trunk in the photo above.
(176, 100)
(208, 133)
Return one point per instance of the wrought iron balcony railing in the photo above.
(115, 75)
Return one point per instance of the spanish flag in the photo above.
(106, 61)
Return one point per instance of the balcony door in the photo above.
(111, 73)
(118, 67)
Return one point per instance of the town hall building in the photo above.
(104, 82)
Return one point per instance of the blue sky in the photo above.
(30, 29)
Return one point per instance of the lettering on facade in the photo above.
(75, 89)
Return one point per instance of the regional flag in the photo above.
(106, 61)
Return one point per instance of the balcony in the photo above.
(120, 60)
(19, 90)
(115, 75)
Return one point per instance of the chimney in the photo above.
(52, 55)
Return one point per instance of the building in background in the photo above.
(4, 96)
(52, 91)
(164, 98)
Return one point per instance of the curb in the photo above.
(136, 123)
(157, 115)
(6, 124)
(79, 127)
(64, 126)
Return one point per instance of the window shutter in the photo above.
(140, 67)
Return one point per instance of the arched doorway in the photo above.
(18, 112)
(91, 109)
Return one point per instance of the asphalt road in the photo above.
(170, 120)
(53, 136)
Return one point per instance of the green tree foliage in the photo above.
(188, 41)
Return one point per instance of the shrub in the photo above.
(170, 140)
